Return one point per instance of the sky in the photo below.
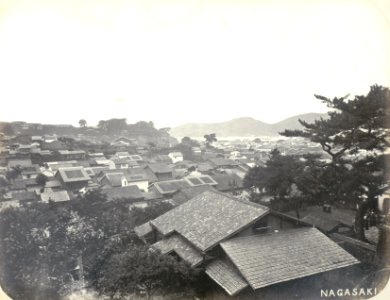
(181, 61)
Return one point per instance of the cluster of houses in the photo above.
(242, 246)
(135, 175)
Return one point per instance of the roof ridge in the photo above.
(284, 231)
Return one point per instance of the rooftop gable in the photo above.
(266, 259)
(227, 276)
(182, 248)
(209, 218)
(115, 179)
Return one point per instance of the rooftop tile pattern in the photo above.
(182, 248)
(125, 192)
(143, 230)
(160, 168)
(227, 276)
(208, 218)
(266, 259)
(171, 186)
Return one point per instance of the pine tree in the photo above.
(354, 135)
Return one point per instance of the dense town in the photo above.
(84, 208)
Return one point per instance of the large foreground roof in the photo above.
(209, 218)
(267, 259)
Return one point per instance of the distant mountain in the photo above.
(242, 127)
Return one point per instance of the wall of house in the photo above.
(164, 176)
(75, 186)
(124, 182)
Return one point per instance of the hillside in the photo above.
(242, 127)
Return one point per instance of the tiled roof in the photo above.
(151, 195)
(227, 181)
(125, 192)
(59, 196)
(162, 158)
(159, 168)
(18, 185)
(204, 167)
(69, 152)
(115, 179)
(188, 193)
(182, 248)
(139, 171)
(266, 259)
(133, 177)
(30, 182)
(227, 276)
(73, 174)
(143, 229)
(24, 196)
(19, 162)
(208, 218)
(220, 162)
(322, 222)
(171, 186)
(136, 157)
(52, 184)
(327, 221)
(122, 160)
(31, 169)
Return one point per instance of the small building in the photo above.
(72, 154)
(222, 163)
(131, 193)
(161, 171)
(30, 172)
(73, 178)
(18, 186)
(113, 179)
(23, 163)
(329, 219)
(228, 182)
(25, 197)
(263, 260)
(55, 197)
(233, 241)
(125, 177)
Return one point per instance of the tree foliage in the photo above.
(354, 136)
(40, 244)
(210, 138)
(135, 269)
(13, 173)
(82, 123)
(358, 124)
(41, 179)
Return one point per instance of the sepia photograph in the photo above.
(194, 149)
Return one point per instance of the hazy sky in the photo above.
(174, 62)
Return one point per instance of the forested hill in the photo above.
(112, 127)
(242, 127)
